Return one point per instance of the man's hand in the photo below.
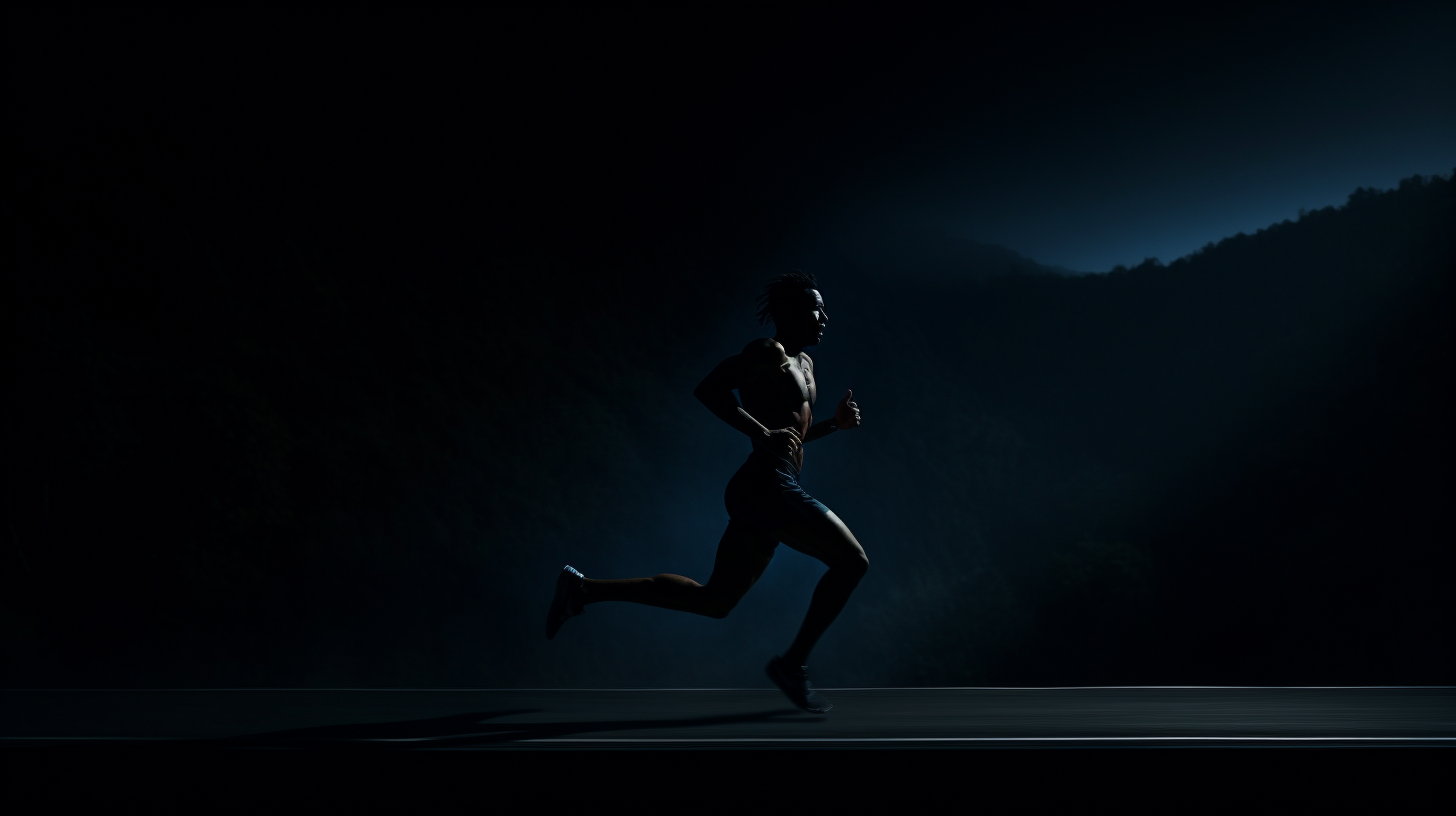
(846, 414)
(788, 437)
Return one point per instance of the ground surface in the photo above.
(736, 718)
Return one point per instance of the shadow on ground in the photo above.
(471, 729)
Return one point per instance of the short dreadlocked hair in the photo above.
(782, 294)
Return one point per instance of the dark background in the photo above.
(331, 340)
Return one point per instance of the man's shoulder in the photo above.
(762, 343)
(761, 356)
(764, 348)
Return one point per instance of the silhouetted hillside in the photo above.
(258, 442)
(1224, 470)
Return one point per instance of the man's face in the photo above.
(808, 324)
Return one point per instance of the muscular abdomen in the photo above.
(799, 419)
(778, 397)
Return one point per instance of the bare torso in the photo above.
(779, 391)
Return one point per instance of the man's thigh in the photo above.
(822, 535)
(743, 554)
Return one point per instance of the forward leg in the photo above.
(824, 536)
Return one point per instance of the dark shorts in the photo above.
(766, 495)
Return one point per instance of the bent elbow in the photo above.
(713, 396)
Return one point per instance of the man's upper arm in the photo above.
(724, 377)
(757, 358)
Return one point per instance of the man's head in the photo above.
(793, 302)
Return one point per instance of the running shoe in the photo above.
(567, 601)
(794, 682)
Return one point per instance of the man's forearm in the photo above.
(725, 406)
(821, 430)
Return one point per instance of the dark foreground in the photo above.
(1165, 748)
(736, 718)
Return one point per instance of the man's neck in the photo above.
(791, 347)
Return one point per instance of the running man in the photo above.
(765, 503)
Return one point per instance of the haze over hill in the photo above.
(920, 254)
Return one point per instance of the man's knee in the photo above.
(718, 605)
(855, 565)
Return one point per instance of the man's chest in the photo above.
(803, 379)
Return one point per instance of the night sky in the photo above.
(1139, 137)
(1081, 140)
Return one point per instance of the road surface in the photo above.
(734, 718)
